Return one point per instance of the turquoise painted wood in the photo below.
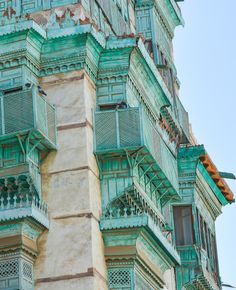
(22, 202)
(16, 159)
(130, 129)
(20, 274)
(199, 262)
(145, 170)
(29, 6)
(32, 114)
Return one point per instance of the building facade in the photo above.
(102, 184)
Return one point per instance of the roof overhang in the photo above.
(215, 175)
(198, 153)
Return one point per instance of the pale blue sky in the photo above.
(205, 55)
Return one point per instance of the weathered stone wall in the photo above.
(71, 252)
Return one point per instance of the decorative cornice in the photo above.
(22, 26)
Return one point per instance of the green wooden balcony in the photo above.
(25, 112)
(133, 209)
(130, 130)
(23, 169)
(125, 219)
(19, 199)
(198, 273)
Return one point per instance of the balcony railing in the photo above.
(131, 218)
(19, 199)
(26, 111)
(131, 129)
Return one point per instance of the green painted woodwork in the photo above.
(189, 163)
(227, 175)
(117, 13)
(21, 7)
(11, 78)
(18, 163)
(136, 247)
(16, 273)
(168, 9)
(153, 29)
(156, 23)
(126, 219)
(130, 129)
(32, 113)
(120, 73)
(118, 175)
(212, 185)
(128, 57)
(17, 259)
(199, 263)
(121, 279)
(143, 175)
(22, 202)
(36, 57)
(73, 48)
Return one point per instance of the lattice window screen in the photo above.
(120, 279)
(27, 270)
(9, 268)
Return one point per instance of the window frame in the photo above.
(184, 237)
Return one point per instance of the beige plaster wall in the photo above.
(71, 253)
(169, 278)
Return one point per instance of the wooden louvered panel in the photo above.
(18, 112)
(129, 128)
(160, 151)
(106, 135)
(169, 164)
(24, 111)
(51, 122)
(42, 116)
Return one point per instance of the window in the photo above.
(214, 251)
(11, 154)
(183, 221)
(149, 48)
(203, 236)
